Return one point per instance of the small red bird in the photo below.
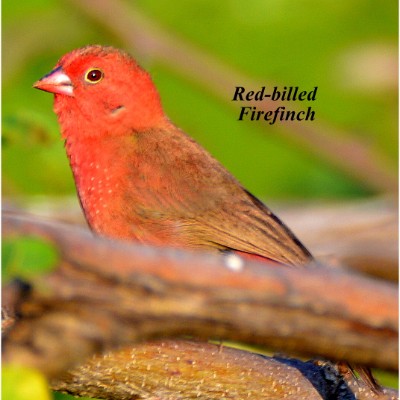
(139, 177)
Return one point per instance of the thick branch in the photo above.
(106, 294)
(361, 235)
(192, 370)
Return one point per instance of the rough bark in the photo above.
(105, 294)
(192, 370)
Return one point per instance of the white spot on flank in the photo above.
(234, 262)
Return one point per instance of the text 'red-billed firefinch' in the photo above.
(139, 177)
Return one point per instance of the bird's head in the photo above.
(104, 89)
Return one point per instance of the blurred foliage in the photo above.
(387, 379)
(20, 383)
(348, 49)
(26, 258)
(337, 46)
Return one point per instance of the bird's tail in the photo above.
(362, 373)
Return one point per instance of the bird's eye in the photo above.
(94, 75)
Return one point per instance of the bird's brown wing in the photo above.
(211, 208)
(246, 225)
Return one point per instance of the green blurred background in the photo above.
(346, 48)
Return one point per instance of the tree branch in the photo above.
(106, 294)
(360, 235)
(192, 370)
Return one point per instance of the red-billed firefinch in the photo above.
(139, 177)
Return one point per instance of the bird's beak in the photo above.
(56, 81)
